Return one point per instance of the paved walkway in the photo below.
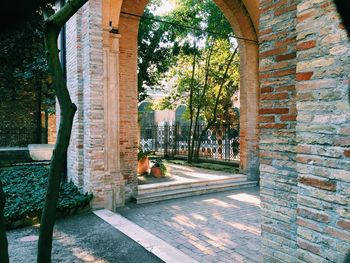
(80, 239)
(220, 227)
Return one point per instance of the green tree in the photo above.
(205, 75)
(205, 80)
(161, 38)
(157, 47)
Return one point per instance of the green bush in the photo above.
(25, 189)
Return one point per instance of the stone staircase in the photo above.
(169, 190)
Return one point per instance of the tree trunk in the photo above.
(213, 120)
(189, 155)
(52, 28)
(4, 256)
(206, 83)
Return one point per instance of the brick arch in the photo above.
(304, 120)
(244, 25)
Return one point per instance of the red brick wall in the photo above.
(304, 132)
(323, 133)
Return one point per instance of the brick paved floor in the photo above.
(219, 227)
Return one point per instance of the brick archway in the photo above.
(102, 76)
(304, 116)
(243, 26)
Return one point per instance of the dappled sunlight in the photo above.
(217, 217)
(80, 253)
(181, 173)
(220, 203)
(86, 256)
(208, 226)
(243, 227)
(175, 226)
(199, 217)
(175, 207)
(217, 239)
(243, 197)
(30, 238)
(180, 167)
(202, 247)
(184, 220)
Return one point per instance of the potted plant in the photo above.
(158, 169)
(143, 161)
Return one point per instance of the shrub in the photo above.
(25, 189)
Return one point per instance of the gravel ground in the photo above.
(81, 238)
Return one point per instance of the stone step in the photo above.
(160, 187)
(193, 190)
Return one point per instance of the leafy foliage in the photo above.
(160, 43)
(159, 162)
(22, 51)
(141, 154)
(25, 189)
(204, 74)
(182, 75)
(157, 51)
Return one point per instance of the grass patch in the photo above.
(25, 189)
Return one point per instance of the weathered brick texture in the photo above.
(304, 138)
(84, 78)
(102, 78)
(303, 117)
(323, 112)
(277, 129)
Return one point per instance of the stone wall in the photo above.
(304, 132)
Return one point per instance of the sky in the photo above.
(166, 7)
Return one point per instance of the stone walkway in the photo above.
(220, 227)
(79, 239)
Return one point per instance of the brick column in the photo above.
(114, 183)
(277, 119)
(128, 27)
(86, 163)
(249, 102)
(323, 134)
(74, 58)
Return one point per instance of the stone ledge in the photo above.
(40, 152)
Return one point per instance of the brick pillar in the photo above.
(114, 183)
(86, 156)
(74, 58)
(277, 120)
(249, 101)
(128, 28)
(323, 134)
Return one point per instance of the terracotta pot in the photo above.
(143, 165)
(157, 172)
